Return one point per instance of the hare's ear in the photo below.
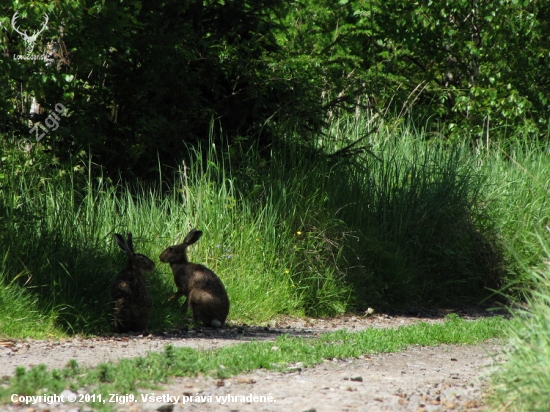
(122, 244)
(130, 243)
(193, 236)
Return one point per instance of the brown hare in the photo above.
(206, 295)
(129, 292)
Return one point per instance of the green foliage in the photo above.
(459, 64)
(523, 382)
(141, 80)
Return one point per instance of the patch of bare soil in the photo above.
(417, 379)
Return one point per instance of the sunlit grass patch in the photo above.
(523, 382)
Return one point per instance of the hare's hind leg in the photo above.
(205, 308)
(197, 304)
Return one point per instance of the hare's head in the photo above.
(135, 260)
(178, 253)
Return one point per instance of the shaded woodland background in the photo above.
(142, 80)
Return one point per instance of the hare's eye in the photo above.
(170, 249)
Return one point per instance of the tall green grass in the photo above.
(297, 231)
(59, 250)
(518, 196)
(523, 382)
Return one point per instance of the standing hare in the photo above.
(129, 292)
(206, 295)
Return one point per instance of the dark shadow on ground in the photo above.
(313, 327)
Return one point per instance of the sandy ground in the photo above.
(419, 379)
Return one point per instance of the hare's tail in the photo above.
(215, 323)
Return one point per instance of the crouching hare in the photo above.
(129, 294)
(206, 295)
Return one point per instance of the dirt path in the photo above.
(417, 379)
(92, 351)
(443, 378)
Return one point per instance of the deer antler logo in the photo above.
(29, 40)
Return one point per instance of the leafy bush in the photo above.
(141, 81)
